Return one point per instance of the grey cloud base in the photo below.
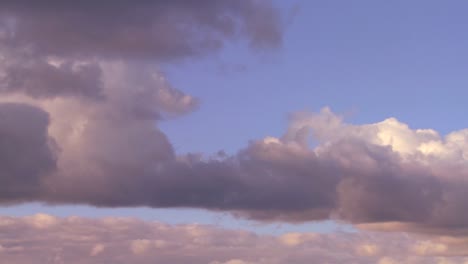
(26, 154)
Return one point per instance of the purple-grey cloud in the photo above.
(50, 48)
(26, 154)
(42, 79)
(161, 29)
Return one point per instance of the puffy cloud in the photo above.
(388, 171)
(111, 153)
(126, 240)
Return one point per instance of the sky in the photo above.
(333, 131)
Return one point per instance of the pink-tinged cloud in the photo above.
(47, 239)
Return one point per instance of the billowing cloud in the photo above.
(47, 239)
(111, 153)
(391, 172)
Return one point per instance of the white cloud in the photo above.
(41, 221)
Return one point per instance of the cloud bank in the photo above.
(47, 239)
(80, 107)
(112, 154)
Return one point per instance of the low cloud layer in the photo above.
(47, 239)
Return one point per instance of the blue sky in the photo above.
(361, 58)
(368, 60)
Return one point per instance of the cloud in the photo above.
(26, 151)
(126, 240)
(97, 249)
(111, 153)
(162, 30)
(82, 97)
(54, 48)
(232, 261)
(41, 78)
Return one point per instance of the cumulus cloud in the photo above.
(111, 153)
(126, 240)
(391, 172)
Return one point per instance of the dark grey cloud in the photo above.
(54, 48)
(161, 29)
(26, 154)
(41, 79)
